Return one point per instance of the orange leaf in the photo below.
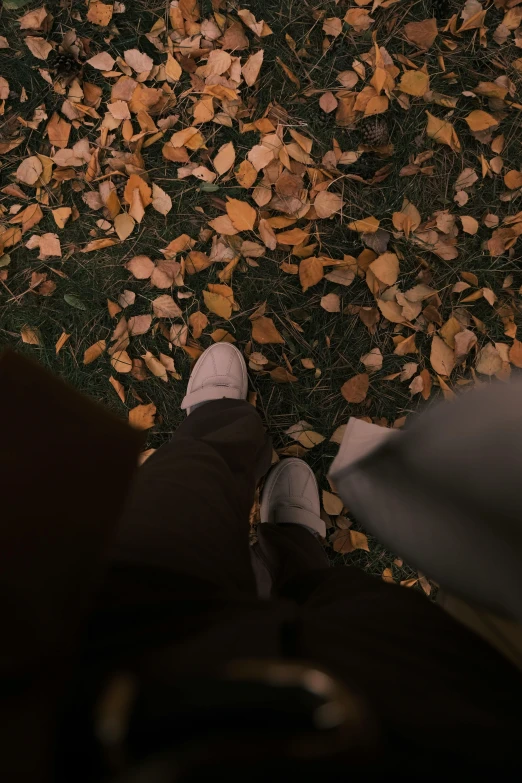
(242, 215)
(265, 332)
(513, 179)
(480, 120)
(443, 132)
(145, 191)
(355, 389)
(442, 358)
(94, 351)
(311, 271)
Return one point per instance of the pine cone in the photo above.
(65, 64)
(441, 9)
(374, 131)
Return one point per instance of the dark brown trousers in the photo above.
(180, 596)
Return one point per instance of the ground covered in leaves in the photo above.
(333, 186)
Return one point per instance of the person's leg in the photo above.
(289, 536)
(189, 507)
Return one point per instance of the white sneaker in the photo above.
(219, 372)
(291, 495)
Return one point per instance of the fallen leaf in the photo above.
(386, 268)
(414, 83)
(331, 303)
(241, 214)
(327, 204)
(38, 47)
(513, 179)
(198, 322)
(224, 160)
(141, 267)
(29, 170)
(164, 306)
(48, 244)
(480, 120)
(264, 331)
(373, 360)
(251, 68)
(469, 224)
(155, 366)
(423, 33)
(355, 389)
(100, 13)
(124, 225)
(218, 304)
(30, 336)
(442, 358)
(61, 215)
(58, 131)
(332, 504)
(443, 132)
(142, 416)
(139, 324)
(94, 351)
(367, 225)
(102, 61)
(138, 61)
(311, 272)
(489, 361)
(328, 102)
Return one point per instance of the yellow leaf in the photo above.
(242, 215)
(218, 304)
(443, 132)
(414, 83)
(480, 120)
(378, 104)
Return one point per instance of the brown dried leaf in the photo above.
(443, 132)
(139, 324)
(218, 304)
(264, 331)
(331, 303)
(100, 13)
(311, 272)
(355, 389)
(423, 33)
(489, 361)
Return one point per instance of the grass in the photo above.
(335, 342)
